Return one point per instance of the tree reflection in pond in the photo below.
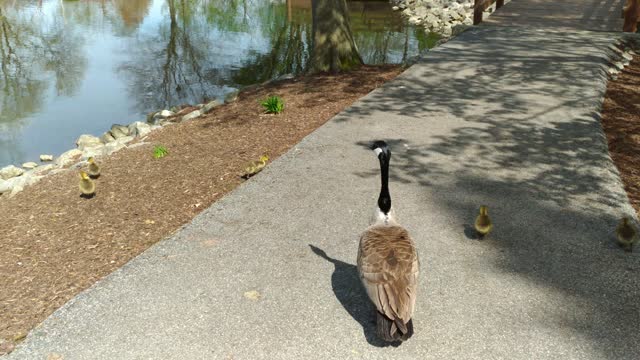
(209, 47)
(32, 59)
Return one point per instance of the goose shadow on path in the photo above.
(351, 294)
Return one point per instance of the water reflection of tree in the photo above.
(31, 57)
(204, 46)
(132, 12)
(381, 38)
(169, 66)
(289, 52)
(29, 54)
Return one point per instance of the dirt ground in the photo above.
(621, 123)
(55, 244)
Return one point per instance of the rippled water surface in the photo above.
(74, 67)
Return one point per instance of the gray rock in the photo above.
(615, 49)
(29, 165)
(113, 147)
(139, 129)
(10, 171)
(46, 157)
(41, 170)
(107, 137)
(286, 77)
(17, 184)
(150, 116)
(118, 131)
(68, 157)
(125, 139)
(210, 106)
(191, 115)
(231, 97)
(87, 141)
(163, 114)
(95, 151)
(138, 145)
(6, 186)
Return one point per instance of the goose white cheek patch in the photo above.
(378, 151)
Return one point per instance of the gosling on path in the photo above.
(626, 234)
(483, 222)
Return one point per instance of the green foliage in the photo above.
(159, 151)
(273, 105)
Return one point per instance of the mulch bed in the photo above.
(55, 244)
(621, 123)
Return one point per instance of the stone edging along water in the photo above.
(14, 179)
(439, 16)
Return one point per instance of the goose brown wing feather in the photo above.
(388, 266)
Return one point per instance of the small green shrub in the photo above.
(273, 105)
(159, 151)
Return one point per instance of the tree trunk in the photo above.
(631, 15)
(333, 46)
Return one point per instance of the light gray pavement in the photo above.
(596, 15)
(498, 116)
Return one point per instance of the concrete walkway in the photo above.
(595, 15)
(499, 116)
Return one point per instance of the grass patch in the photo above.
(159, 151)
(273, 105)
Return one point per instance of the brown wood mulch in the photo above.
(621, 123)
(55, 244)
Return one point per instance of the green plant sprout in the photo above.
(159, 151)
(273, 105)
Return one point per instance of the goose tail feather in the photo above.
(393, 330)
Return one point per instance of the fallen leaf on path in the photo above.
(210, 242)
(252, 295)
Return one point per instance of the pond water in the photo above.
(75, 67)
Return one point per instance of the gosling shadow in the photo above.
(85, 196)
(349, 291)
(470, 232)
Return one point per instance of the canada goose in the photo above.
(483, 223)
(626, 234)
(388, 263)
(87, 186)
(93, 170)
(255, 167)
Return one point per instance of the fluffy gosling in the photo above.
(87, 186)
(93, 170)
(255, 167)
(483, 223)
(626, 234)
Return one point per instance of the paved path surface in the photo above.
(499, 116)
(596, 15)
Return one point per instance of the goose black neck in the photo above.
(384, 200)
